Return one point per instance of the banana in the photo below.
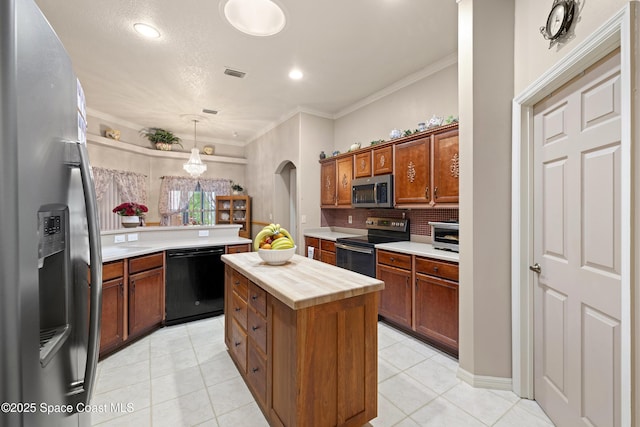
(281, 243)
(287, 235)
(261, 235)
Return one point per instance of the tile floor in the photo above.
(182, 376)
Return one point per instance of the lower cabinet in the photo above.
(306, 367)
(420, 296)
(132, 299)
(323, 250)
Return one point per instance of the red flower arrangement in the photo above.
(130, 209)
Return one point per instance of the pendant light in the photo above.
(194, 166)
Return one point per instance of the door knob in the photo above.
(536, 268)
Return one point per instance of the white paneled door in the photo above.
(577, 175)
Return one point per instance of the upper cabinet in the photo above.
(425, 168)
(446, 171)
(412, 172)
(235, 210)
(335, 181)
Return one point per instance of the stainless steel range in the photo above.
(358, 253)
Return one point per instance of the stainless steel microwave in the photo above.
(372, 192)
(446, 235)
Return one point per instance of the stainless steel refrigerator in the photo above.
(49, 233)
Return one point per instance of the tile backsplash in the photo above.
(418, 218)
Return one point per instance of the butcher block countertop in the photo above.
(302, 282)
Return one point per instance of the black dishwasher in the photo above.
(194, 284)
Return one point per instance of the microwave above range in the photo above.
(372, 192)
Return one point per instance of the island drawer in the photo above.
(432, 267)
(240, 285)
(239, 346)
(257, 330)
(258, 298)
(145, 262)
(257, 373)
(239, 308)
(394, 259)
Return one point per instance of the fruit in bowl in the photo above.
(274, 244)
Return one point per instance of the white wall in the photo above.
(404, 109)
(532, 55)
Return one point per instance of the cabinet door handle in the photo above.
(435, 193)
(392, 259)
(435, 269)
(133, 286)
(254, 297)
(426, 193)
(237, 343)
(238, 309)
(237, 282)
(121, 289)
(255, 328)
(254, 370)
(406, 282)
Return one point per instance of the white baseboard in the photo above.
(481, 381)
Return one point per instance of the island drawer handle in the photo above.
(435, 269)
(254, 297)
(254, 370)
(237, 282)
(238, 309)
(237, 343)
(255, 328)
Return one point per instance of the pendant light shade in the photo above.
(194, 166)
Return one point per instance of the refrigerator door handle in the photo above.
(95, 259)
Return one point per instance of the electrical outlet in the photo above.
(119, 238)
(270, 217)
(350, 219)
(203, 233)
(132, 237)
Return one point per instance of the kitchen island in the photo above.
(304, 337)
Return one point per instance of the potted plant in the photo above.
(131, 213)
(161, 138)
(237, 188)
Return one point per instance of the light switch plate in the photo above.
(203, 233)
(350, 219)
(303, 219)
(132, 237)
(119, 238)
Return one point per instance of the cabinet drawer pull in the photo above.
(254, 370)
(255, 328)
(237, 282)
(392, 259)
(254, 297)
(238, 309)
(435, 269)
(237, 343)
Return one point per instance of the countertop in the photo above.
(128, 250)
(303, 282)
(328, 234)
(421, 249)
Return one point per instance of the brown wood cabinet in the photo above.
(436, 299)
(383, 160)
(421, 297)
(412, 172)
(235, 249)
(446, 171)
(328, 251)
(235, 210)
(345, 174)
(312, 366)
(328, 189)
(362, 165)
(396, 300)
(146, 293)
(323, 250)
(112, 323)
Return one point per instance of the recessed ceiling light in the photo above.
(146, 30)
(295, 74)
(255, 17)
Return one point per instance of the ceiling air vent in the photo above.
(208, 111)
(234, 73)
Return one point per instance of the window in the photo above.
(189, 200)
(201, 209)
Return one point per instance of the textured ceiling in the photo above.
(347, 50)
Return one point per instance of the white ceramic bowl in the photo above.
(276, 256)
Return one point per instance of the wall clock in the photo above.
(559, 20)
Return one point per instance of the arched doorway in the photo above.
(285, 197)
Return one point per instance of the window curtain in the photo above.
(132, 187)
(176, 190)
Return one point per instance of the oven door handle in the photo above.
(354, 249)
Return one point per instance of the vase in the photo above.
(130, 221)
(163, 146)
